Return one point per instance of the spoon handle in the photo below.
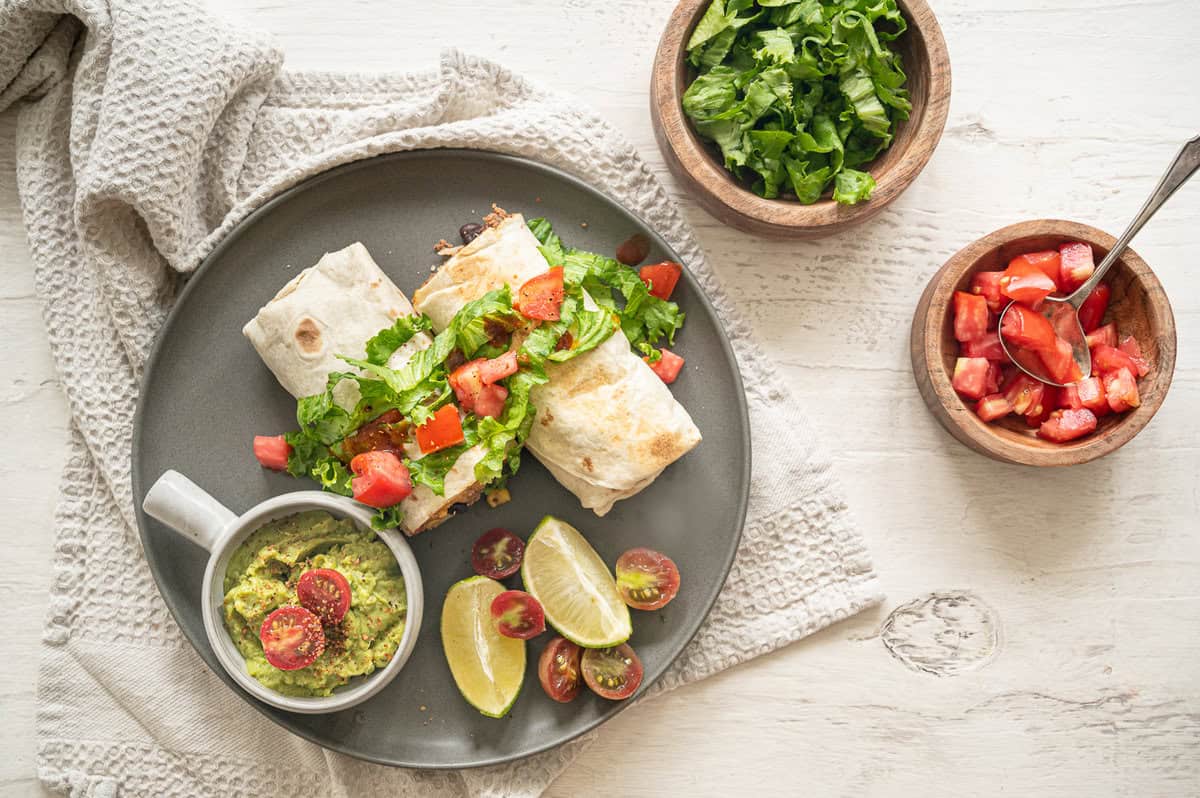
(1187, 160)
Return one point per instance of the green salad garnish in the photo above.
(798, 93)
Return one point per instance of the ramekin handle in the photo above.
(185, 507)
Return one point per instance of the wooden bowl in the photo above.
(699, 167)
(1138, 306)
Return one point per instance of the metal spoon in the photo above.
(1063, 312)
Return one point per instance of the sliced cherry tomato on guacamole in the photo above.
(559, 670)
(490, 401)
(1108, 358)
(987, 285)
(541, 297)
(1130, 346)
(647, 579)
(970, 316)
(1048, 262)
(272, 451)
(613, 673)
(441, 431)
(1026, 282)
(661, 278)
(987, 346)
(380, 479)
(518, 615)
(497, 553)
(325, 593)
(292, 638)
(666, 367)
(1067, 425)
(971, 377)
(1091, 312)
(1027, 328)
(1076, 265)
(1106, 334)
(1120, 389)
(498, 368)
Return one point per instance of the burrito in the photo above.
(334, 308)
(606, 426)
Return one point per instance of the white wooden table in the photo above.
(1042, 633)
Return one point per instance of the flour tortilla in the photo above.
(606, 425)
(334, 308)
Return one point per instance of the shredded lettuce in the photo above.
(797, 93)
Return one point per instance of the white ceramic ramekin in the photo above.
(185, 507)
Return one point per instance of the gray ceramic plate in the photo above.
(206, 394)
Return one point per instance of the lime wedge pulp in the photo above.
(575, 587)
(487, 667)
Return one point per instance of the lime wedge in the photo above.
(575, 587)
(487, 667)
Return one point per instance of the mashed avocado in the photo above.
(262, 576)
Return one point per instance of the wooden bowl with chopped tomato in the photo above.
(1009, 417)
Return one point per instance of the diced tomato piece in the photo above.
(1060, 362)
(1089, 393)
(661, 278)
(272, 451)
(467, 382)
(1048, 262)
(498, 368)
(994, 375)
(380, 479)
(1052, 397)
(1024, 281)
(1130, 346)
(987, 345)
(666, 367)
(992, 407)
(441, 431)
(1106, 334)
(970, 316)
(490, 401)
(1120, 389)
(1076, 265)
(1035, 420)
(1027, 328)
(541, 297)
(1070, 397)
(1107, 358)
(971, 377)
(993, 321)
(1091, 312)
(987, 285)
(1024, 393)
(1067, 425)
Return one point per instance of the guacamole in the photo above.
(262, 576)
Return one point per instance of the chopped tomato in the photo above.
(1024, 281)
(970, 316)
(292, 638)
(490, 401)
(971, 377)
(498, 368)
(1067, 425)
(994, 375)
(441, 431)
(1091, 312)
(661, 278)
(1089, 393)
(1106, 335)
(380, 479)
(1036, 420)
(1070, 397)
(1107, 358)
(987, 345)
(1076, 265)
(666, 367)
(1048, 262)
(987, 285)
(467, 382)
(1130, 346)
(1059, 361)
(272, 451)
(992, 407)
(1120, 388)
(1024, 393)
(325, 593)
(1027, 328)
(541, 297)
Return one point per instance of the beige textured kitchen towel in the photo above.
(145, 132)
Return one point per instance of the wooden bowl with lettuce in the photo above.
(799, 118)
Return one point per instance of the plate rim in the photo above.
(240, 229)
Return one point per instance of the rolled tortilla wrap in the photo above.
(334, 308)
(606, 425)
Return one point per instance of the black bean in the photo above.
(458, 507)
(470, 231)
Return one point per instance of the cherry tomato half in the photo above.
(647, 579)
(518, 614)
(497, 553)
(325, 593)
(292, 638)
(559, 670)
(613, 673)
